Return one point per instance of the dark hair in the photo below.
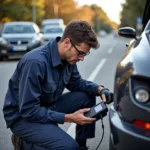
(80, 31)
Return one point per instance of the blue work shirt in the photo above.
(38, 81)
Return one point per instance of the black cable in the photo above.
(102, 134)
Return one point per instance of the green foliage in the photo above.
(131, 10)
(19, 10)
(101, 20)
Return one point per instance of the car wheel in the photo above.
(5, 58)
(111, 147)
(2, 58)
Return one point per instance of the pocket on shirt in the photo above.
(67, 78)
(49, 87)
(47, 97)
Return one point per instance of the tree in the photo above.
(20, 10)
(66, 9)
(131, 10)
(101, 20)
(85, 13)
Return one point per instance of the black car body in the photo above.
(17, 38)
(129, 116)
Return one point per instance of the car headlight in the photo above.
(3, 41)
(142, 95)
(35, 40)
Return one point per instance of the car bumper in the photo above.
(10, 50)
(124, 136)
(4, 50)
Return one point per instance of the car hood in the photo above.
(47, 35)
(8, 36)
(138, 57)
(142, 56)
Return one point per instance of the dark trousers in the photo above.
(38, 136)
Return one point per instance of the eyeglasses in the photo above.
(80, 53)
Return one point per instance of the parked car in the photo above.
(102, 33)
(52, 22)
(129, 116)
(17, 38)
(51, 32)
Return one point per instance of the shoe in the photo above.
(84, 148)
(17, 142)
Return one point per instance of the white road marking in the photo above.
(96, 70)
(111, 48)
(71, 129)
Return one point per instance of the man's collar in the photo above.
(56, 60)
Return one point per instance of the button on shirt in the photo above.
(38, 81)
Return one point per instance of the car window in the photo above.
(53, 30)
(18, 29)
(54, 24)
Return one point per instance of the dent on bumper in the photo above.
(124, 136)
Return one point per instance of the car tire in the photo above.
(4, 58)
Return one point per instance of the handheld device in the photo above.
(97, 111)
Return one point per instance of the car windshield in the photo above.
(53, 30)
(18, 29)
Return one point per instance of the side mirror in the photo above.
(127, 32)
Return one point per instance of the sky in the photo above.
(111, 7)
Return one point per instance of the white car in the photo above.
(52, 22)
(51, 32)
(102, 33)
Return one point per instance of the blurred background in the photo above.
(27, 24)
(101, 14)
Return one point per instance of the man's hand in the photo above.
(105, 95)
(79, 118)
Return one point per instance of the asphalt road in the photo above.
(110, 52)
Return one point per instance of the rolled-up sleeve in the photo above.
(78, 84)
(30, 82)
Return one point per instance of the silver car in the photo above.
(51, 32)
(17, 38)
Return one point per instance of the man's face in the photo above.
(76, 53)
